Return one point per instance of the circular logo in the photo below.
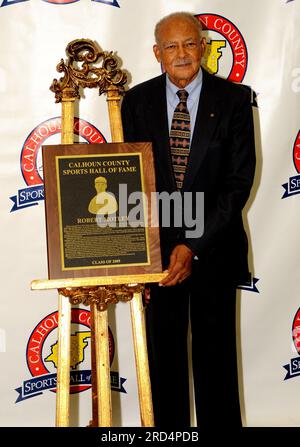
(225, 47)
(61, 2)
(296, 153)
(41, 351)
(296, 331)
(31, 155)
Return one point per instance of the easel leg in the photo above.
(141, 360)
(94, 422)
(63, 363)
(102, 367)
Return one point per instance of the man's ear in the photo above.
(156, 52)
(203, 44)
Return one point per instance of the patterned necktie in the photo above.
(180, 135)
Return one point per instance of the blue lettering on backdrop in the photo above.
(108, 2)
(12, 2)
(37, 385)
(292, 187)
(250, 286)
(292, 368)
(27, 197)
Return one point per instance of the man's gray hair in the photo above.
(178, 15)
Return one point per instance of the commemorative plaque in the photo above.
(99, 210)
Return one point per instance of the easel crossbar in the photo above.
(44, 284)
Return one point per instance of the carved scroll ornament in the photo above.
(102, 296)
(81, 70)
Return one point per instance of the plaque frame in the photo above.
(56, 197)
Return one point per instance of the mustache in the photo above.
(184, 61)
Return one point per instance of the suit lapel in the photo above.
(158, 115)
(206, 121)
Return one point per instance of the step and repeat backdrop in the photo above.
(256, 43)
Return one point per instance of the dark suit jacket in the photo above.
(221, 164)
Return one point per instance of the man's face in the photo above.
(180, 50)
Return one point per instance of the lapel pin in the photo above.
(212, 115)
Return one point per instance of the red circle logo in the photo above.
(41, 352)
(31, 157)
(229, 51)
(296, 331)
(61, 2)
(296, 153)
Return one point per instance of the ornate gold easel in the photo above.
(98, 292)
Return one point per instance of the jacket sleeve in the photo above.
(237, 181)
(130, 134)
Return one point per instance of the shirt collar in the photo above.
(191, 88)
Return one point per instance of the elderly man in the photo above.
(201, 128)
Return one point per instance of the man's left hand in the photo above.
(180, 266)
